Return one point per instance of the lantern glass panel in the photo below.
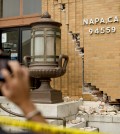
(50, 59)
(32, 47)
(39, 48)
(39, 59)
(58, 33)
(50, 32)
(39, 32)
(31, 33)
(50, 48)
(58, 46)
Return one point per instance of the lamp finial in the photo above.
(46, 15)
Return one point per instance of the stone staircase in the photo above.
(84, 115)
(67, 110)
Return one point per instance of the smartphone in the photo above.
(4, 58)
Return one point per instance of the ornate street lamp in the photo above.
(46, 60)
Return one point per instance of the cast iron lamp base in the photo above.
(44, 71)
(46, 94)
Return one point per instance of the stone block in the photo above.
(116, 118)
(61, 110)
(89, 129)
(9, 106)
(109, 128)
(64, 109)
(85, 116)
(100, 118)
(92, 103)
(60, 122)
(78, 125)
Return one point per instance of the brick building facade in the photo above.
(98, 25)
(97, 22)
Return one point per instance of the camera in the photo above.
(4, 58)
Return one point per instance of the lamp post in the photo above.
(46, 60)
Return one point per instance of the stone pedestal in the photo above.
(60, 110)
(64, 109)
(67, 110)
(47, 97)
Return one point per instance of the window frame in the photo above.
(19, 29)
(22, 20)
(21, 11)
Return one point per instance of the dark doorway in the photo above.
(17, 42)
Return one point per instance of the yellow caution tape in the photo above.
(39, 127)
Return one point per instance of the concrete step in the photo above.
(78, 125)
(90, 129)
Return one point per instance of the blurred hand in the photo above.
(16, 89)
(16, 86)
